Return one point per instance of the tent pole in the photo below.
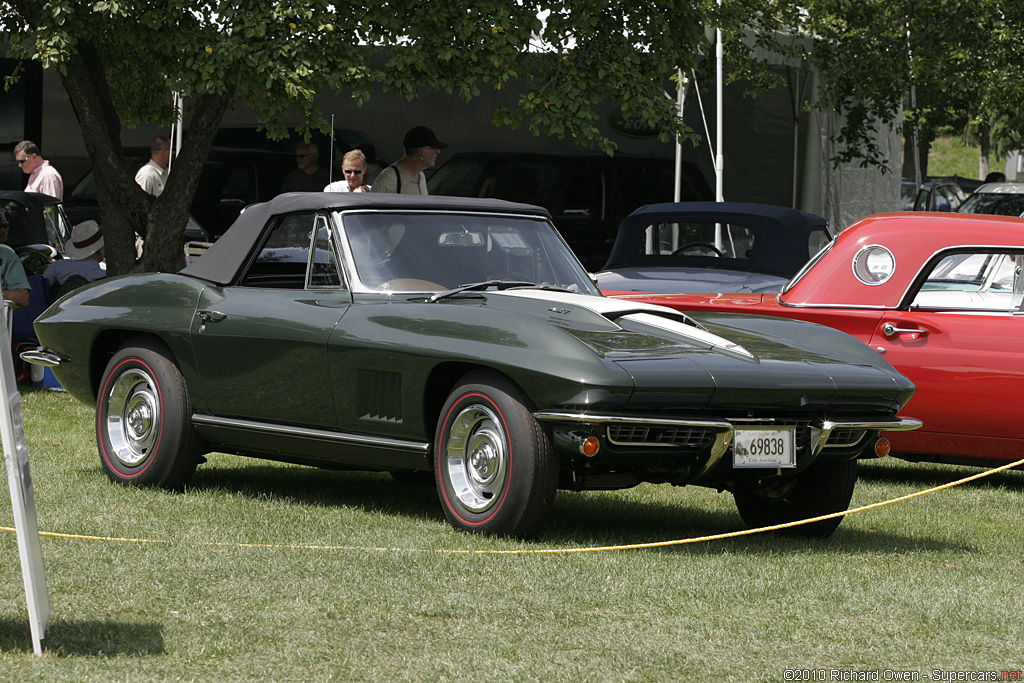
(719, 77)
(680, 101)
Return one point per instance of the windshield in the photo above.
(433, 252)
(995, 203)
(58, 232)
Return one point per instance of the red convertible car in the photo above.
(940, 297)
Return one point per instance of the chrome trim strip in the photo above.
(44, 356)
(838, 306)
(903, 424)
(307, 433)
(555, 416)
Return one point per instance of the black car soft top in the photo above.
(790, 229)
(24, 211)
(221, 262)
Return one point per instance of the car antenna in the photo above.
(330, 169)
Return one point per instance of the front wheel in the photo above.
(824, 488)
(143, 418)
(494, 465)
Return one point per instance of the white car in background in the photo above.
(1002, 199)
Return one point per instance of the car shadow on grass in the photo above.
(369, 491)
(611, 522)
(85, 638)
(586, 519)
(929, 475)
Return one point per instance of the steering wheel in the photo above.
(698, 247)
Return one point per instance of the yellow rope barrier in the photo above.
(548, 551)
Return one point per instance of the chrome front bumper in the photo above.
(723, 431)
(44, 356)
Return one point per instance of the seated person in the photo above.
(84, 264)
(12, 274)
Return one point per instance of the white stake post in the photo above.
(23, 501)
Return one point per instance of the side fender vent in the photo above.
(380, 396)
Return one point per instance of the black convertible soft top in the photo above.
(221, 262)
(24, 211)
(783, 252)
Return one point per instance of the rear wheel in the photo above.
(143, 418)
(495, 470)
(824, 488)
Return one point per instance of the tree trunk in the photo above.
(125, 209)
(908, 156)
(985, 141)
(168, 214)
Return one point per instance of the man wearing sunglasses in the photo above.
(353, 165)
(41, 176)
(309, 175)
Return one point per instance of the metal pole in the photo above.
(719, 78)
(719, 156)
(680, 101)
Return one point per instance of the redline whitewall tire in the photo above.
(143, 418)
(494, 466)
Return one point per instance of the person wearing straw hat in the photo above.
(12, 274)
(85, 262)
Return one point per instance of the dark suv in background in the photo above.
(587, 194)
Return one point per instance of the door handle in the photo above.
(889, 330)
(211, 316)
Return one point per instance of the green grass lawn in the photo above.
(948, 156)
(930, 583)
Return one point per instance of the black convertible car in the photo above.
(687, 247)
(460, 337)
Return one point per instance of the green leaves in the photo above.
(872, 53)
(556, 59)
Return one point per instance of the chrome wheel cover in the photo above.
(133, 417)
(477, 458)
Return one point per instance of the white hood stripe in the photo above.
(660, 317)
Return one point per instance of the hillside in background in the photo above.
(949, 156)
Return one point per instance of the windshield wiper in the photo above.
(499, 284)
(476, 286)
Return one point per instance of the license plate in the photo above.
(763, 448)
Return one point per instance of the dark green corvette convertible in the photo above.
(461, 337)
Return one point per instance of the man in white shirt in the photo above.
(41, 176)
(353, 165)
(153, 175)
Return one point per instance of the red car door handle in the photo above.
(889, 330)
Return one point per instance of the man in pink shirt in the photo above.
(41, 176)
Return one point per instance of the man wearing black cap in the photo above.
(406, 175)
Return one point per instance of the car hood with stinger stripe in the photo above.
(748, 362)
